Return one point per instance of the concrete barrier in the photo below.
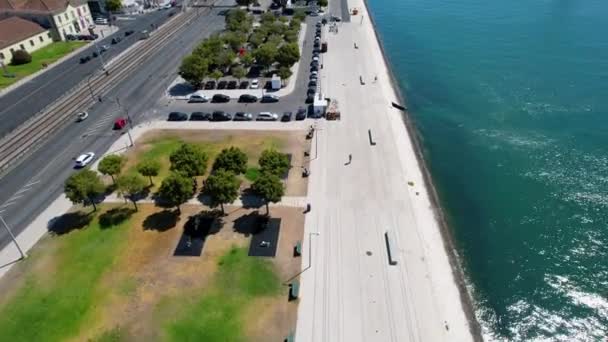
(391, 248)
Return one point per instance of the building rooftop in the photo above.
(44, 6)
(15, 29)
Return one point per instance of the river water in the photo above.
(511, 102)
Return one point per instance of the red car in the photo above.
(120, 123)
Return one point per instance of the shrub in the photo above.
(21, 57)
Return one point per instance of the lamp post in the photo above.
(8, 229)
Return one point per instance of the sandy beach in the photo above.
(349, 290)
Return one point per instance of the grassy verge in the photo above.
(53, 305)
(218, 315)
(47, 54)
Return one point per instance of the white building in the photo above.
(20, 34)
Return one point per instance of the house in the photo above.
(20, 34)
(60, 17)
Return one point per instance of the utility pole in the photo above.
(8, 229)
(129, 121)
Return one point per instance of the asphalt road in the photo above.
(28, 99)
(38, 180)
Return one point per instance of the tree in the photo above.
(247, 60)
(269, 187)
(322, 3)
(216, 74)
(291, 36)
(225, 58)
(131, 186)
(239, 72)
(299, 14)
(231, 159)
(111, 165)
(113, 5)
(176, 189)
(223, 187)
(238, 19)
(189, 159)
(284, 73)
(21, 57)
(257, 38)
(267, 18)
(288, 54)
(275, 40)
(149, 168)
(82, 187)
(193, 69)
(235, 39)
(265, 55)
(295, 24)
(274, 162)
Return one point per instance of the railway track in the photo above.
(29, 136)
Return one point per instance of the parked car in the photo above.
(198, 98)
(269, 98)
(314, 68)
(95, 54)
(232, 84)
(219, 115)
(324, 21)
(310, 98)
(314, 63)
(221, 84)
(84, 159)
(242, 116)
(318, 24)
(244, 85)
(82, 116)
(267, 116)
(116, 40)
(301, 113)
(312, 84)
(248, 98)
(210, 85)
(103, 48)
(220, 98)
(255, 84)
(336, 18)
(84, 59)
(311, 91)
(129, 32)
(315, 58)
(200, 116)
(314, 73)
(286, 116)
(177, 116)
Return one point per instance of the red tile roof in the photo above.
(37, 5)
(15, 29)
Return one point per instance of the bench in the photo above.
(294, 290)
(297, 249)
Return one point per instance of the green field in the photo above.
(53, 304)
(47, 54)
(218, 314)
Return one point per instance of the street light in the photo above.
(12, 237)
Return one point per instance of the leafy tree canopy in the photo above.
(288, 54)
(274, 162)
(131, 186)
(189, 159)
(193, 69)
(223, 187)
(82, 187)
(111, 165)
(265, 55)
(231, 159)
(176, 189)
(148, 168)
(269, 187)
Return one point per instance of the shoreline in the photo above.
(446, 233)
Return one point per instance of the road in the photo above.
(38, 180)
(19, 105)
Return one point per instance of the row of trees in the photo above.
(187, 161)
(274, 41)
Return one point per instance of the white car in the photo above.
(255, 84)
(316, 59)
(82, 116)
(198, 98)
(267, 116)
(84, 159)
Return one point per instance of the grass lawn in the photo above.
(47, 54)
(219, 313)
(53, 303)
(160, 147)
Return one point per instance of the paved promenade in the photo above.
(351, 293)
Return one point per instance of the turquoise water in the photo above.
(511, 100)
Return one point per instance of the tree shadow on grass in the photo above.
(161, 221)
(69, 221)
(115, 217)
(251, 223)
